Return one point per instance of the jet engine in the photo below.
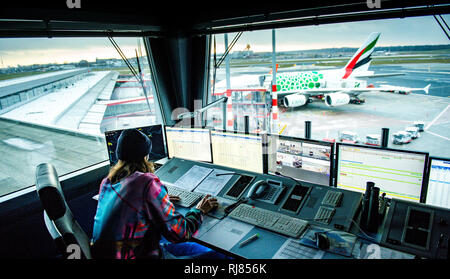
(295, 100)
(336, 99)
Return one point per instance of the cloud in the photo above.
(407, 31)
(58, 43)
(27, 51)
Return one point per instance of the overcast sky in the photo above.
(394, 32)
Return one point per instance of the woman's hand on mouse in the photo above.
(207, 204)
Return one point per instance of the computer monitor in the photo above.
(398, 173)
(438, 192)
(189, 143)
(238, 150)
(154, 133)
(302, 159)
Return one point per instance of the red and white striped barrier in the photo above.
(274, 109)
(230, 117)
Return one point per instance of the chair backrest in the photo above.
(59, 220)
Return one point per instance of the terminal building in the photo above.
(18, 91)
(280, 196)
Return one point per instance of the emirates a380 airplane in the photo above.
(335, 87)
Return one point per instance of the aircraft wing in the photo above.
(401, 88)
(378, 75)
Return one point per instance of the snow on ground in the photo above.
(45, 109)
(33, 77)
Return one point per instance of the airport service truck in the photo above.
(373, 139)
(420, 125)
(401, 137)
(413, 131)
(349, 137)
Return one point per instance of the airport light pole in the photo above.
(274, 87)
(227, 62)
(229, 110)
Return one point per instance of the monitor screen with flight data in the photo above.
(398, 173)
(438, 192)
(154, 133)
(238, 150)
(189, 143)
(302, 159)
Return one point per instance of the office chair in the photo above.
(58, 218)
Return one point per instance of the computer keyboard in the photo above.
(273, 221)
(187, 199)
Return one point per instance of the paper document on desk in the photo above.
(213, 184)
(227, 233)
(292, 249)
(192, 178)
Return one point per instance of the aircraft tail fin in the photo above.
(426, 88)
(360, 61)
(276, 69)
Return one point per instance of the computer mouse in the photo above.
(215, 207)
(322, 241)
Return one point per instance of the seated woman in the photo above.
(134, 210)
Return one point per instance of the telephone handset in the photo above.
(257, 190)
(264, 190)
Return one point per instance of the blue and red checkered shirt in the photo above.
(135, 204)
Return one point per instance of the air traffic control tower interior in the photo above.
(302, 197)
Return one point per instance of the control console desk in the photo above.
(284, 218)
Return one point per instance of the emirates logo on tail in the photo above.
(361, 58)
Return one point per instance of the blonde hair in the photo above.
(124, 169)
